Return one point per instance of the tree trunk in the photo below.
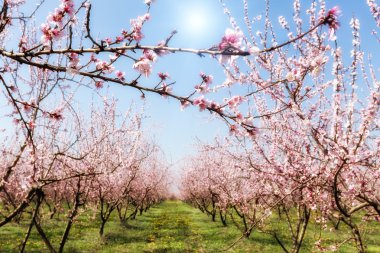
(73, 214)
(223, 218)
(39, 200)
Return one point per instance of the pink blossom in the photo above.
(206, 78)
(56, 115)
(68, 7)
(119, 39)
(235, 101)
(143, 66)
(184, 104)
(16, 121)
(161, 52)
(104, 66)
(93, 58)
(231, 38)
(73, 60)
(120, 75)
(27, 107)
(49, 33)
(233, 129)
(375, 11)
(31, 124)
(201, 88)
(165, 89)
(215, 106)
(331, 20)
(150, 55)
(163, 76)
(137, 26)
(108, 41)
(15, 2)
(99, 84)
(57, 16)
(201, 102)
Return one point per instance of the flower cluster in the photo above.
(204, 86)
(120, 75)
(201, 102)
(232, 40)
(144, 64)
(53, 29)
(73, 60)
(137, 25)
(165, 89)
(331, 19)
(375, 10)
(235, 101)
(104, 66)
(163, 76)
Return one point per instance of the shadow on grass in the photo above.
(122, 238)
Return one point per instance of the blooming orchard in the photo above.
(303, 114)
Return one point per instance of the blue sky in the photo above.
(200, 24)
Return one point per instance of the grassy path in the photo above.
(172, 226)
(176, 227)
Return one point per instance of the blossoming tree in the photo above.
(307, 107)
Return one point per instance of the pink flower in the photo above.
(184, 104)
(119, 39)
(143, 66)
(93, 58)
(203, 89)
(57, 16)
(215, 106)
(235, 101)
(16, 121)
(108, 41)
(15, 2)
(161, 52)
(99, 84)
(331, 19)
(207, 79)
(120, 75)
(201, 102)
(56, 115)
(137, 26)
(27, 107)
(150, 55)
(104, 66)
(231, 38)
(31, 125)
(233, 129)
(49, 34)
(74, 60)
(163, 76)
(68, 7)
(165, 89)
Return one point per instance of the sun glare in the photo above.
(196, 21)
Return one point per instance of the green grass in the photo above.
(170, 227)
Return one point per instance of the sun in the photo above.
(196, 21)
